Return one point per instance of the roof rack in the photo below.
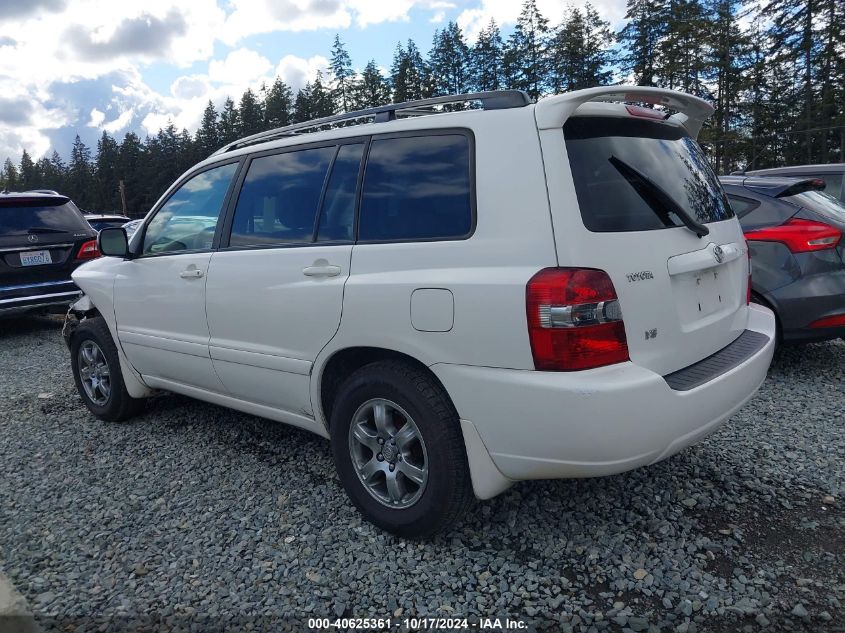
(491, 100)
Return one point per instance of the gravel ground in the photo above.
(196, 516)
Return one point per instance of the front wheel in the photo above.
(399, 450)
(96, 371)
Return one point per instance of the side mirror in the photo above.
(112, 242)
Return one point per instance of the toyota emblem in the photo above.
(32, 238)
(718, 253)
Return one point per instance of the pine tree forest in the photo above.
(774, 70)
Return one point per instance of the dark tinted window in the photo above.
(40, 216)
(417, 187)
(188, 220)
(611, 199)
(279, 198)
(832, 183)
(338, 213)
(742, 206)
(821, 202)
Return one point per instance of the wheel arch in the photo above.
(487, 480)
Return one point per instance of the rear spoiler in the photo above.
(552, 112)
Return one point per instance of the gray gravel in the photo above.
(197, 516)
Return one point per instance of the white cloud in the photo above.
(506, 12)
(121, 122)
(251, 17)
(97, 118)
(239, 65)
(296, 71)
(187, 87)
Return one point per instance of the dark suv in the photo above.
(43, 238)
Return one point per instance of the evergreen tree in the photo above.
(372, 89)
(682, 52)
(208, 134)
(528, 51)
(448, 62)
(28, 172)
(486, 59)
(80, 175)
(727, 68)
(107, 194)
(278, 105)
(9, 176)
(303, 107)
(229, 122)
(322, 104)
(251, 118)
(130, 160)
(580, 51)
(343, 84)
(313, 101)
(640, 37)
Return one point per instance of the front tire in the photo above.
(96, 372)
(399, 450)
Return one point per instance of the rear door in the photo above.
(275, 288)
(40, 243)
(683, 297)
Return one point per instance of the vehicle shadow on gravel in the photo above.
(17, 326)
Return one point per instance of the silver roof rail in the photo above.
(491, 100)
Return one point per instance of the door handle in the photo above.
(191, 273)
(326, 270)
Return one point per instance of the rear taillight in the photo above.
(837, 320)
(88, 250)
(799, 236)
(748, 290)
(574, 320)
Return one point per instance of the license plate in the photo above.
(711, 291)
(36, 258)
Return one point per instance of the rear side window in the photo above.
(39, 216)
(604, 154)
(821, 202)
(742, 206)
(279, 198)
(417, 188)
(832, 183)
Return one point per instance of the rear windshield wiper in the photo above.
(657, 198)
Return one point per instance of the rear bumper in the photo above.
(539, 425)
(43, 296)
(806, 300)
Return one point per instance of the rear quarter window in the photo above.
(663, 153)
(417, 188)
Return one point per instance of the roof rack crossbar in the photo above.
(491, 100)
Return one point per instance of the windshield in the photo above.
(821, 202)
(63, 218)
(663, 153)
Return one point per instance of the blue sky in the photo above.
(72, 67)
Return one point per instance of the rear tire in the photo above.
(399, 450)
(97, 374)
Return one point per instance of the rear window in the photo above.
(41, 216)
(821, 202)
(612, 200)
(417, 188)
(832, 183)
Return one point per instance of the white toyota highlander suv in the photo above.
(457, 299)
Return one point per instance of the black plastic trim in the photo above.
(695, 375)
